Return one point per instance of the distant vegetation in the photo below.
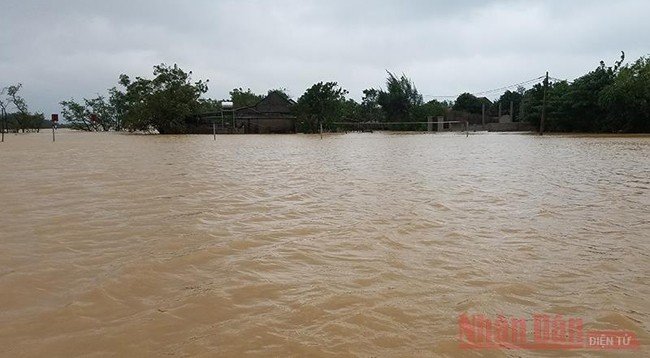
(609, 99)
(18, 117)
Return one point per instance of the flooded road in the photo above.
(367, 245)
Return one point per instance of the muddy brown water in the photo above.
(367, 245)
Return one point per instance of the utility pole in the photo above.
(512, 111)
(541, 122)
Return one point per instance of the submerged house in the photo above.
(270, 115)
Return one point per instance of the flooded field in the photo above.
(367, 245)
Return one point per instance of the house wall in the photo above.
(271, 115)
(266, 125)
(509, 127)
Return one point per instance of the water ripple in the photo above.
(354, 245)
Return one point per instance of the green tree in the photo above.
(468, 102)
(5, 100)
(370, 109)
(587, 104)
(105, 114)
(209, 105)
(118, 102)
(400, 99)
(77, 115)
(351, 110)
(22, 119)
(582, 107)
(241, 98)
(627, 100)
(432, 108)
(511, 97)
(532, 101)
(165, 103)
(95, 114)
(25, 122)
(36, 121)
(322, 103)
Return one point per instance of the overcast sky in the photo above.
(64, 49)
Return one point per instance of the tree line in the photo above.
(17, 117)
(171, 102)
(607, 99)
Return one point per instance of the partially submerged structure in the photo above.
(272, 114)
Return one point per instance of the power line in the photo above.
(511, 86)
(558, 80)
(482, 93)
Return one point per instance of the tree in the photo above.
(599, 101)
(467, 102)
(581, 101)
(322, 103)
(22, 120)
(25, 122)
(557, 118)
(511, 97)
(76, 114)
(400, 99)
(118, 102)
(4, 104)
(165, 103)
(432, 108)
(627, 100)
(370, 109)
(94, 114)
(350, 110)
(209, 105)
(241, 98)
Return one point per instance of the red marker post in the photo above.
(55, 120)
(93, 121)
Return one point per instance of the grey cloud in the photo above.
(63, 49)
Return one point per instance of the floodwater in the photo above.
(361, 245)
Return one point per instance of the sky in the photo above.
(77, 49)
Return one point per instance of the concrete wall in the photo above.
(266, 125)
(509, 127)
(502, 127)
(505, 119)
